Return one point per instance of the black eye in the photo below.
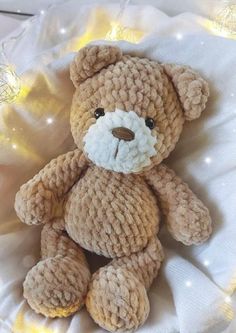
(99, 112)
(150, 123)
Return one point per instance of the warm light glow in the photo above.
(23, 325)
(119, 32)
(223, 23)
(228, 299)
(9, 84)
(49, 121)
(100, 27)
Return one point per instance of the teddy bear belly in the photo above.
(111, 214)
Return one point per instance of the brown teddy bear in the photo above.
(106, 196)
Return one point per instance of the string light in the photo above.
(208, 160)
(228, 299)
(49, 121)
(179, 36)
(226, 19)
(9, 80)
(206, 263)
(9, 84)
(188, 283)
(224, 22)
(62, 31)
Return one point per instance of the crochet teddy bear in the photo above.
(109, 194)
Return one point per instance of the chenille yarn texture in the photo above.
(109, 194)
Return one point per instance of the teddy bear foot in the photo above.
(117, 300)
(57, 286)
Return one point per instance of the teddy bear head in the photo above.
(128, 112)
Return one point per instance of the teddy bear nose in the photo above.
(123, 133)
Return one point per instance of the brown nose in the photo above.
(123, 133)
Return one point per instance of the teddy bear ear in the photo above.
(91, 59)
(192, 89)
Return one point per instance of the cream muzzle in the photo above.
(120, 141)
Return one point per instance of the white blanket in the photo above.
(193, 292)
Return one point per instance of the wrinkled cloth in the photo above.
(194, 289)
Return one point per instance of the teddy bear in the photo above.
(109, 195)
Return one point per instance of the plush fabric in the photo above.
(112, 208)
(192, 291)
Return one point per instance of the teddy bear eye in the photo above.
(99, 112)
(150, 123)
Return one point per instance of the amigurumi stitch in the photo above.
(106, 196)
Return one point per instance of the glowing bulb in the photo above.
(14, 146)
(188, 283)
(208, 160)
(42, 12)
(179, 36)
(49, 121)
(18, 11)
(206, 263)
(13, 129)
(232, 95)
(234, 130)
(9, 84)
(225, 20)
(62, 31)
(202, 43)
(228, 299)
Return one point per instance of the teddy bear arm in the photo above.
(187, 218)
(38, 200)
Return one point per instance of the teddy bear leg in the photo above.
(117, 298)
(57, 285)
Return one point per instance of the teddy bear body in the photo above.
(110, 193)
(110, 219)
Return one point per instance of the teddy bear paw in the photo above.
(57, 287)
(117, 300)
(190, 225)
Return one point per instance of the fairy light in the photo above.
(208, 160)
(188, 283)
(179, 36)
(206, 263)
(228, 299)
(62, 31)
(49, 120)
